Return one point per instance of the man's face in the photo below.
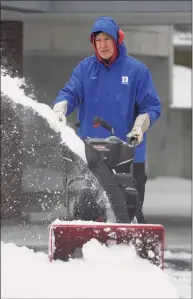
(105, 45)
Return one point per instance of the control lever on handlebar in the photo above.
(97, 121)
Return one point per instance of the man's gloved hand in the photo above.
(137, 133)
(141, 125)
(60, 110)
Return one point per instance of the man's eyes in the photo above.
(99, 40)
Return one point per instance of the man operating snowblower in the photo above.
(117, 88)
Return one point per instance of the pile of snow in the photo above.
(181, 87)
(104, 272)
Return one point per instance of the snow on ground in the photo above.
(178, 255)
(114, 272)
(182, 280)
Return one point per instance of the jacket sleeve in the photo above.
(147, 98)
(72, 92)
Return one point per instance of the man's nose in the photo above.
(103, 43)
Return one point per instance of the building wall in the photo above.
(64, 39)
(39, 6)
(169, 141)
(53, 6)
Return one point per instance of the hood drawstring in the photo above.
(106, 62)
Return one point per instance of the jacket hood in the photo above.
(109, 26)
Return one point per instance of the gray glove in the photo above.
(141, 125)
(60, 110)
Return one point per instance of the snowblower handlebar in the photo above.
(98, 121)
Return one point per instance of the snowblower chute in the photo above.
(105, 159)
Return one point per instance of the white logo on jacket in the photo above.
(125, 80)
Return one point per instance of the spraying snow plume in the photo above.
(11, 87)
(14, 96)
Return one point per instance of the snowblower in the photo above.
(87, 215)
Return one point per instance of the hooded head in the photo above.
(107, 39)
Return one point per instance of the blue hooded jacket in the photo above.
(117, 93)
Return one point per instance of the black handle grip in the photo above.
(132, 141)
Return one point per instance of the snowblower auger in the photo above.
(104, 157)
(67, 239)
